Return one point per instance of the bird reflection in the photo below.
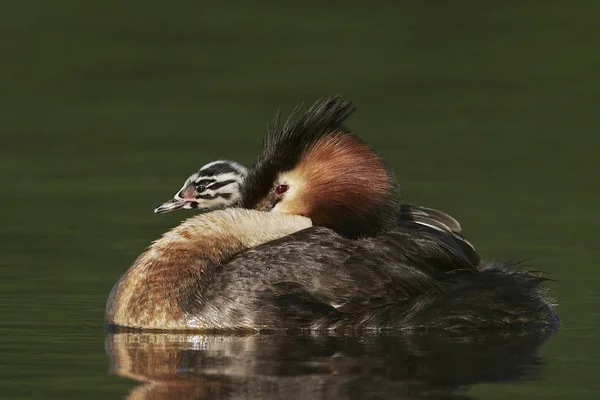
(323, 366)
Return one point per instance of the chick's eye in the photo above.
(281, 189)
(200, 188)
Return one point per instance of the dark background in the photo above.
(485, 109)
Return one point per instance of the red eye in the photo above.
(281, 189)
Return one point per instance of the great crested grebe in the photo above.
(357, 267)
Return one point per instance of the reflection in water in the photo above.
(192, 366)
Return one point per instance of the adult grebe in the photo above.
(358, 269)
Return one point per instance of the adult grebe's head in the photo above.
(312, 165)
(215, 185)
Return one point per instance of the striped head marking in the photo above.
(215, 185)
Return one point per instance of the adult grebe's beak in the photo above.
(172, 205)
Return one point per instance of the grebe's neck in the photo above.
(179, 267)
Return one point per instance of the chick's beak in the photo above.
(185, 198)
(171, 205)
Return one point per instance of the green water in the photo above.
(487, 110)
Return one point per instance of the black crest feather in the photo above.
(286, 142)
(301, 129)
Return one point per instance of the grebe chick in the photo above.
(218, 185)
(357, 267)
(215, 185)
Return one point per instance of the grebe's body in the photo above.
(218, 271)
(323, 249)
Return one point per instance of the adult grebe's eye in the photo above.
(200, 188)
(281, 189)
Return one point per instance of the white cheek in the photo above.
(286, 205)
(283, 205)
